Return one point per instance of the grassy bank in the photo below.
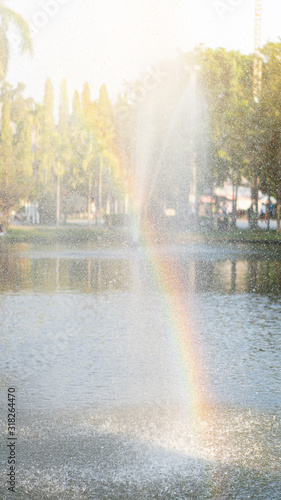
(64, 235)
(245, 236)
(114, 236)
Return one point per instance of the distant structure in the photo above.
(257, 54)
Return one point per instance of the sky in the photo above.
(112, 41)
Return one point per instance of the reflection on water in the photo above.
(92, 271)
(86, 339)
(19, 273)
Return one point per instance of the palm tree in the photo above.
(7, 17)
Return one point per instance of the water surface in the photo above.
(102, 407)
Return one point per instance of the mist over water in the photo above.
(91, 340)
(101, 400)
(144, 358)
(170, 148)
(105, 405)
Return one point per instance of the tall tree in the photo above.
(47, 137)
(76, 107)
(64, 109)
(8, 17)
(7, 173)
(46, 154)
(15, 155)
(63, 144)
(106, 136)
(227, 82)
(22, 116)
(269, 124)
(87, 106)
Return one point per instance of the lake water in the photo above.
(102, 408)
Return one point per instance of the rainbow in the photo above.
(181, 322)
(171, 286)
(179, 311)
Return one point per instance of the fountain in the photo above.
(170, 150)
(151, 372)
(107, 406)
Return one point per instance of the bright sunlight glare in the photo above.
(113, 41)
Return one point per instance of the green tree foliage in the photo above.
(46, 146)
(8, 17)
(22, 116)
(47, 139)
(99, 150)
(83, 140)
(95, 166)
(15, 152)
(227, 82)
(63, 158)
(268, 124)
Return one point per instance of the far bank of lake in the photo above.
(104, 236)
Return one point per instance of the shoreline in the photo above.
(112, 236)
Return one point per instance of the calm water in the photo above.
(102, 408)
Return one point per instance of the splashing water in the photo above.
(170, 149)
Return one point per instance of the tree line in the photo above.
(245, 136)
(52, 162)
(95, 149)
